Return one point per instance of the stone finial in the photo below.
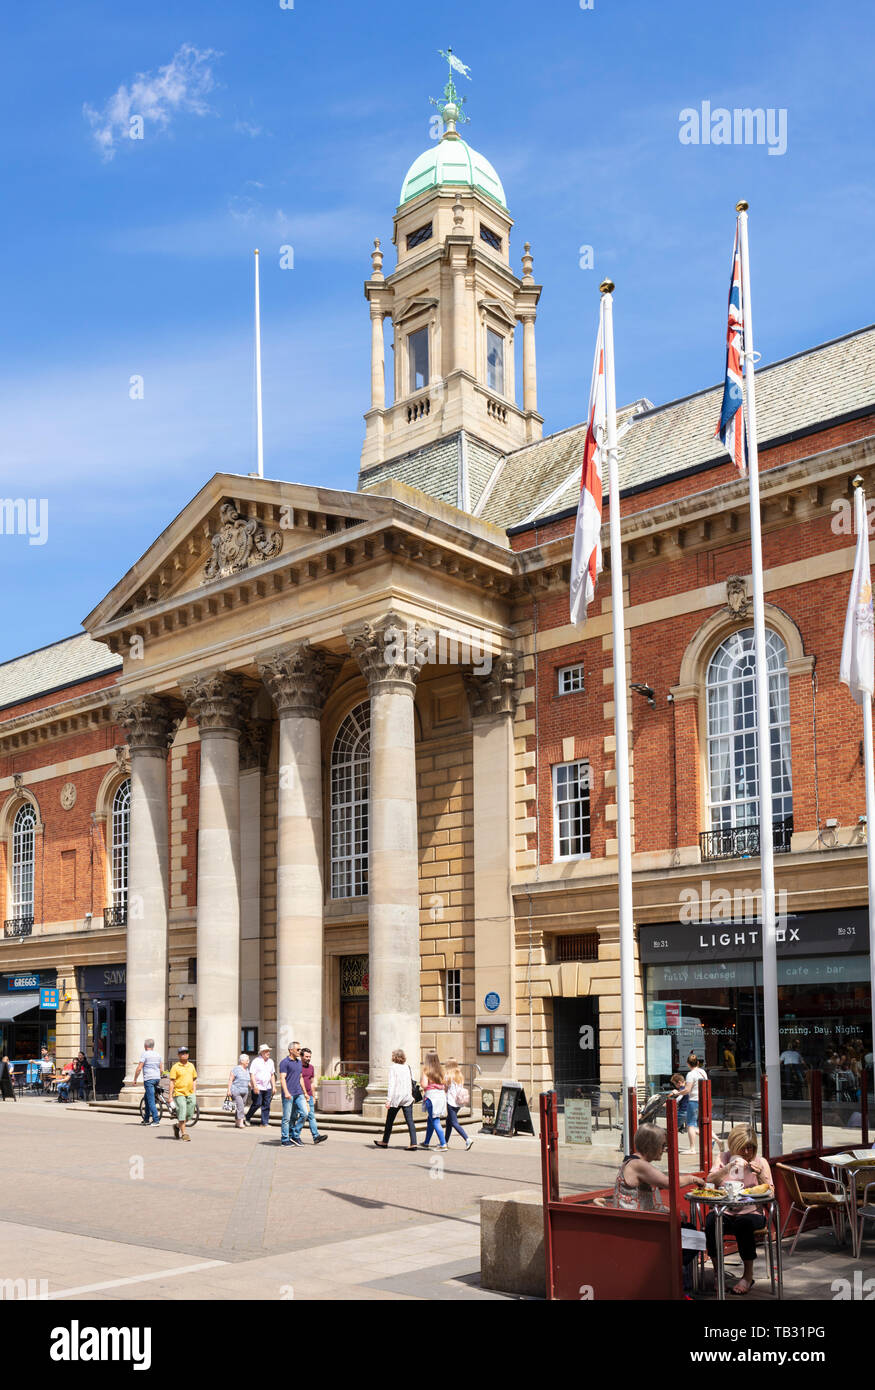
(528, 264)
(149, 722)
(496, 691)
(217, 701)
(458, 212)
(390, 651)
(298, 679)
(377, 261)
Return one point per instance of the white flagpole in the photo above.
(862, 528)
(764, 739)
(621, 730)
(259, 431)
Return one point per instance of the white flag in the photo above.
(586, 557)
(857, 667)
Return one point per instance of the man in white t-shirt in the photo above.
(696, 1074)
(261, 1077)
(150, 1065)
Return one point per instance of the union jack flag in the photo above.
(731, 428)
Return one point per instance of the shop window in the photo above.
(733, 781)
(350, 793)
(571, 811)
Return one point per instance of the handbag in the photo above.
(227, 1103)
(415, 1088)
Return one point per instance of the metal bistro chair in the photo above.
(866, 1212)
(835, 1203)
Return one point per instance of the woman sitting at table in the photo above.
(638, 1181)
(740, 1164)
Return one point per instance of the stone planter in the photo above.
(337, 1098)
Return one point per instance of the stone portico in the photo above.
(267, 598)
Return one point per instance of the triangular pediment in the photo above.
(234, 527)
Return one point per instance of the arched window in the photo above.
(120, 845)
(732, 731)
(23, 828)
(350, 791)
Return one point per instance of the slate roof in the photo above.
(831, 380)
(62, 663)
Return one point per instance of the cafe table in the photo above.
(845, 1167)
(734, 1206)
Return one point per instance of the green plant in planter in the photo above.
(354, 1082)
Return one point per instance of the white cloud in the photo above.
(180, 86)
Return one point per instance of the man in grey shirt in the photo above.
(150, 1065)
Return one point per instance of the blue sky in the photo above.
(274, 126)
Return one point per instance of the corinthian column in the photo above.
(149, 724)
(217, 702)
(390, 659)
(298, 680)
(492, 697)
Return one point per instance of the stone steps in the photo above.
(351, 1123)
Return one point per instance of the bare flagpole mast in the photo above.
(764, 740)
(259, 422)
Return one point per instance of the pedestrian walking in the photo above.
(150, 1065)
(294, 1105)
(261, 1079)
(457, 1096)
(434, 1101)
(399, 1097)
(308, 1086)
(7, 1080)
(696, 1074)
(238, 1088)
(183, 1086)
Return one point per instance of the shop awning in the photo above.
(13, 1004)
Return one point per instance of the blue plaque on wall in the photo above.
(492, 1001)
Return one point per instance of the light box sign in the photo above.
(49, 998)
(802, 934)
(23, 981)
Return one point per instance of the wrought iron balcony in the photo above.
(116, 916)
(743, 841)
(18, 926)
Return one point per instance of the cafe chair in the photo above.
(835, 1203)
(866, 1212)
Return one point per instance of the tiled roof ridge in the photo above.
(768, 367)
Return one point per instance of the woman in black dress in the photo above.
(7, 1076)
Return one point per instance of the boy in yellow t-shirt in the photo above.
(183, 1085)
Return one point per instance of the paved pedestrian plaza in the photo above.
(101, 1208)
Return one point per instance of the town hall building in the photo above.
(333, 766)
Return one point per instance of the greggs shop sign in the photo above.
(805, 934)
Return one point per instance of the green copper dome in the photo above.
(453, 162)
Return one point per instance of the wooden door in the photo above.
(354, 1030)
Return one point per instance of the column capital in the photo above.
(496, 692)
(217, 701)
(298, 679)
(149, 722)
(391, 651)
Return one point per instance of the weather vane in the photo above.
(451, 106)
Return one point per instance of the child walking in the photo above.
(457, 1096)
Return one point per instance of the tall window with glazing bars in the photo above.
(350, 791)
(121, 834)
(23, 830)
(732, 732)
